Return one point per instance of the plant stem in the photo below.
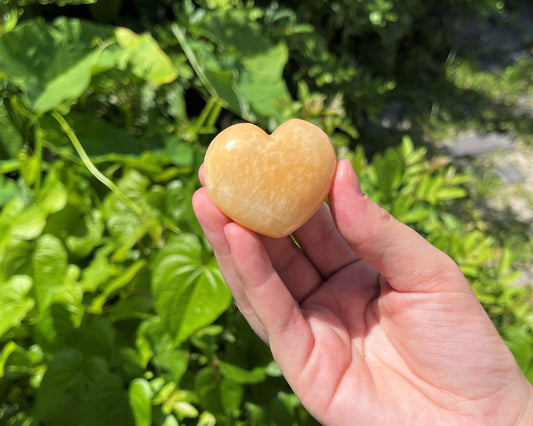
(192, 59)
(92, 168)
(39, 156)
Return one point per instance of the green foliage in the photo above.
(112, 309)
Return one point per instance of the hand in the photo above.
(369, 323)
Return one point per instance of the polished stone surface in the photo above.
(270, 184)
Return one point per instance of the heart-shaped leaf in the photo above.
(188, 289)
(64, 387)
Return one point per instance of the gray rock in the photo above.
(476, 144)
(510, 174)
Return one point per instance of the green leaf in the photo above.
(262, 82)
(142, 341)
(8, 188)
(14, 302)
(53, 196)
(99, 270)
(519, 340)
(415, 215)
(63, 389)
(189, 291)
(184, 409)
(171, 364)
(130, 307)
(206, 385)
(10, 137)
(234, 30)
(231, 395)
(6, 352)
(225, 85)
(140, 397)
(106, 403)
(125, 278)
(60, 318)
(58, 65)
(221, 83)
(49, 268)
(29, 167)
(450, 193)
(145, 57)
(207, 419)
(240, 375)
(16, 259)
(101, 139)
(170, 420)
(29, 223)
(407, 147)
(124, 225)
(95, 336)
(88, 236)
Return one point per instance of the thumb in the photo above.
(403, 257)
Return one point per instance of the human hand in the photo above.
(369, 323)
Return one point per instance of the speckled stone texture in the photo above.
(270, 184)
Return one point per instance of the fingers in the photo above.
(320, 240)
(406, 260)
(293, 267)
(288, 332)
(213, 221)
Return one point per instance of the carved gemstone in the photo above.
(270, 184)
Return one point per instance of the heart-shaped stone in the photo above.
(270, 184)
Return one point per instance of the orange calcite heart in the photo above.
(270, 184)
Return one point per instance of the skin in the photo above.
(369, 323)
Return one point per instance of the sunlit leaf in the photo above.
(188, 289)
(262, 84)
(140, 397)
(49, 268)
(52, 62)
(240, 375)
(145, 57)
(14, 301)
(450, 193)
(171, 364)
(16, 259)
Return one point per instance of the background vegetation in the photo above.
(112, 309)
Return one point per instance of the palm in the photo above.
(375, 342)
